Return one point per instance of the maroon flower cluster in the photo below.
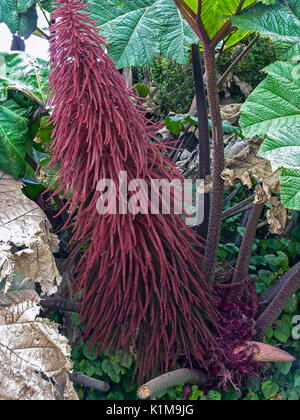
(140, 277)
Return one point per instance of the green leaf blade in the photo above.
(290, 188)
(14, 134)
(280, 23)
(138, 31)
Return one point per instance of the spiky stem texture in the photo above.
(170, 379)
(290, 283)
(214, 229)
(264, 353)
(140, 279)
(84, 380)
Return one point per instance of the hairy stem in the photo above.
(170, 379)
(289, 284)
(189, 15)
(84, 380)
(243, 262)
(214, 229)
(204, 143)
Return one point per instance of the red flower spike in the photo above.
(140, 277)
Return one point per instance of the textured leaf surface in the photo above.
(22, 72)
(19, 16)
(138, 30)
(280, 22)
(26, 244)
(290, 183)
(274, 104)
(34, 357)
(273, 110)
(14, 134)
(23, 85)
(282, 148)
(215, 13)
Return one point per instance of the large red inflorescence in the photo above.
(140, 278)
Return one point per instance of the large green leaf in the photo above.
(22, 72)
(274, 104)
(138, 30)
(273, 110)
(14, 134)
(19, 15)
(290, 188)
(280, 22)
(282, 148)
(215, 13)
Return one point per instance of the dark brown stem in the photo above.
(168, 380)
(60, 304)
(40, 112)
(43, 34)
(84, 380)
(237, 60)
(238, 208)
(31, 162)
(288, 285)
(203, 129)
(243, 262)
(214, 229)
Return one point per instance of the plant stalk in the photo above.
(289, 283)
(170, 379)
(237, 60)
(243, 262)
(214, 229)
(239, 208)
(60, 304)
(204, 136)
(84, 380)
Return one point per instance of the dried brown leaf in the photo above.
(231, 112)
(34, 357)
(26, 243)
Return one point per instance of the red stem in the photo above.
(189, 18)
(218, 159)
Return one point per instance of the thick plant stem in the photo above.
(84, 380)
(290, 282)
(239, 208)
(265, 353)
(170, 379)
(204, 144)
(214, 229)
(242, 266)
